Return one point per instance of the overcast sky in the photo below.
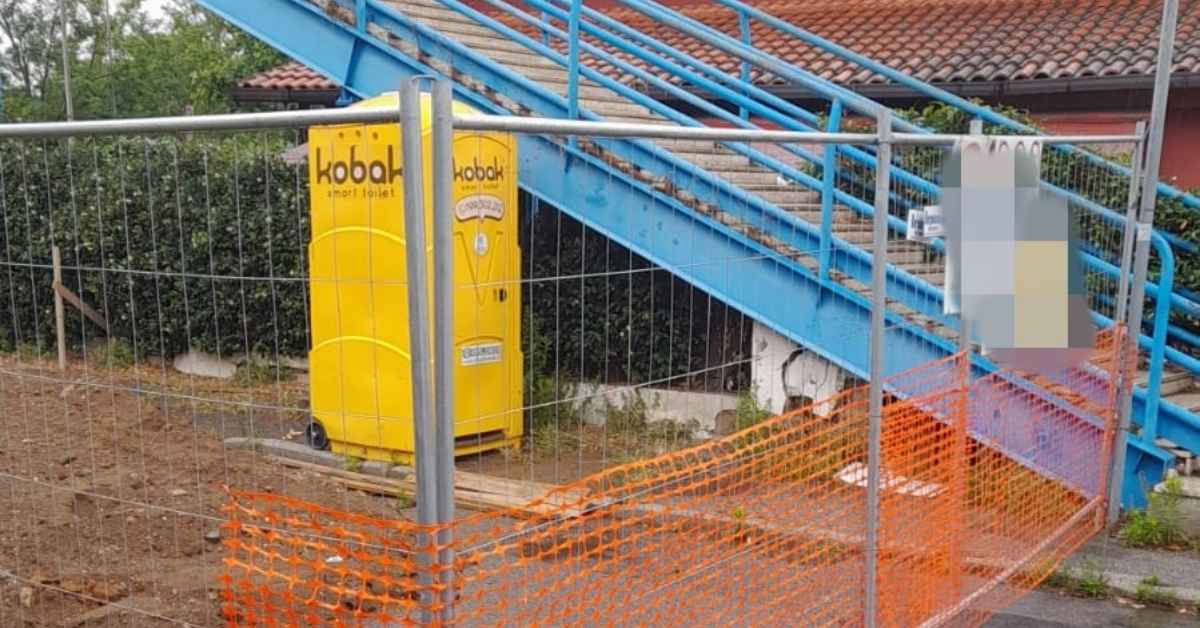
(155, 6)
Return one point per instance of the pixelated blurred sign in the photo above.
(1012, 258)
(925, 224)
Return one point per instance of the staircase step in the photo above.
(712, 160)
(751, 179)
(735, 168)
(1188, 400)
(1174, 381)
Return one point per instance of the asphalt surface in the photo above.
(1047, 609)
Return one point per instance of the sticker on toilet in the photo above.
(480, 354)
(479, 206)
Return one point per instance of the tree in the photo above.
(123, 62)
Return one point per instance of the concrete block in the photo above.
(204, 365)
(377, 468)
(285, 449)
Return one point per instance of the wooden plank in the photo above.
(477, 491)
(72, 298)
(60, 318)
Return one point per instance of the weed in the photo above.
(547, 403)
(1151, 581)
(28, 351)
(403, 502)
(1160, 524)
(112, 354)
(1060, 579)
(352, 463)
(255, 372)
(1092, 581)
(749, 412)
(547, 438)
(1149, 593)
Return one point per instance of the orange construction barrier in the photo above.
(985, 487)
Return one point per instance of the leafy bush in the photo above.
(177, 243)
(1160, 524)
(110, 354)
(602, 313)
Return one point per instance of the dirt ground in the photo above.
(111, 485)
(112, 482)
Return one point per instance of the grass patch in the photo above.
(1150, 591)
(1092, 581)
(1160, 524)
(255, 372)
(403, 501)
(1089, 581)
(352, 463)
(749, 412)
(111, 354)
(30, 351)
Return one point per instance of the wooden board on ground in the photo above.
(471, 490)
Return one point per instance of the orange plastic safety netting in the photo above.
(986, 484)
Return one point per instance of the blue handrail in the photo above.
(909, 282)
(829, 185)
(855, 261)
(717, 39)
(744, 70)
(572, 61)
(936, 93)
(778, 118)
(721, 41)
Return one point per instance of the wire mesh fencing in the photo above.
(230, 438)
(760, 525)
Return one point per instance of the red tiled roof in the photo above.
(290, 75)
(933, 40)
(956, 40)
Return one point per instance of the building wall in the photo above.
(1180, 164)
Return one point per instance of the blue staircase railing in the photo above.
(1156, 343)
(365, 65)
(747, 12)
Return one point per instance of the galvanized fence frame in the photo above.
(432, 353)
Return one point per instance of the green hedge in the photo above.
(202, 244)
(596, 311)
(177, 243)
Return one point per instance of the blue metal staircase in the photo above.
(803, 269)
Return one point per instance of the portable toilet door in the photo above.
(360, 371)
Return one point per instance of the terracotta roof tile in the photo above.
(290, 75)
(935, 40)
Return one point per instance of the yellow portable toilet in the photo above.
(359, 369)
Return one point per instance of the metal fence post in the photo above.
(443, 326)
(418, 323)
(1145, 224)
(828, 191)
(1131, 214)
(1129, 349)
(875, 418)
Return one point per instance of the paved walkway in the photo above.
(1047, 609)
